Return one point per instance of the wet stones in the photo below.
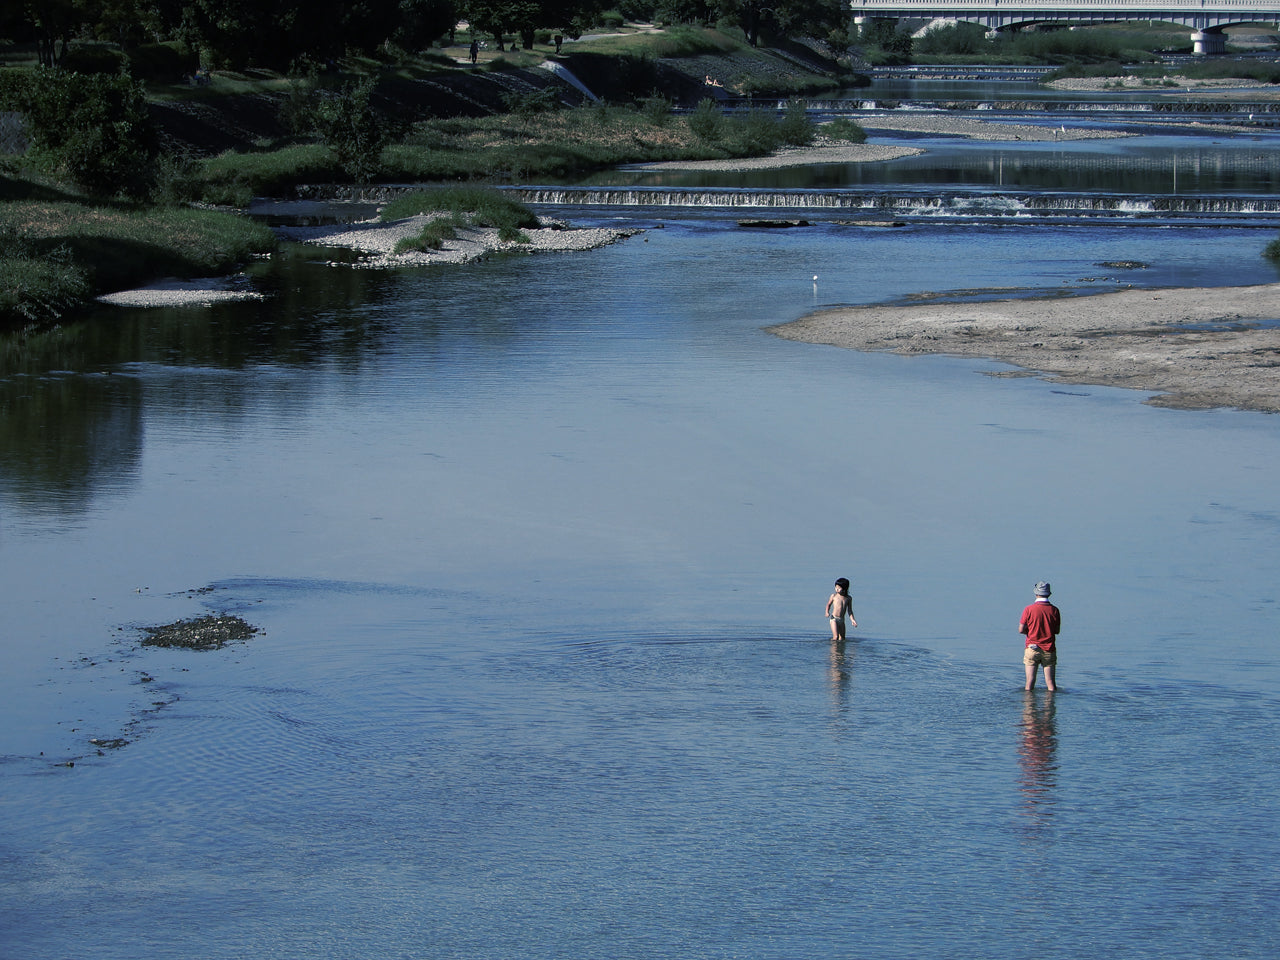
(210, 632)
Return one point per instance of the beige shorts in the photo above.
(1034, 655)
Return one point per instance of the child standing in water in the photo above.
(838, 607)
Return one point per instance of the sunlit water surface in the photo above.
(540, 548)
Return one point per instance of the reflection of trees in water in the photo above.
(1037, 751)
(64, 436)
(74, 401)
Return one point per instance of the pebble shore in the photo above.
(1193, 348)
(377, 240)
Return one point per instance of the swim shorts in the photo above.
(1033, 655)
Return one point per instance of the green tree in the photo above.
(687, 11)
(94, 131)
(784, 18)
(889, 37)
(353, 129)
(240, 33)
(490, 17)
(51, 22)
(419, 23)
(957, 38)
(496, 18)
(707, 120)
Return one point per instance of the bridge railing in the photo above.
(1270, 9)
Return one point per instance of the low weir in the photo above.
(888, 204)
(1128, 108)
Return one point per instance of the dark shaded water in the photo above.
(539, 547)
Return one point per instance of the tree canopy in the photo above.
(286, 34)
(234, 33)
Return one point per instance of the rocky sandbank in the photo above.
(1193, 348)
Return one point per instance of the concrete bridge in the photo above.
(1206, 18)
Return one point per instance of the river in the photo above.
(538, 548)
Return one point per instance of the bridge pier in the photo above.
(1203, 43)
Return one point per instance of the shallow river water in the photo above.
(539, 549)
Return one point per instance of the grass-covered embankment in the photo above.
(523, 146)
(358, 124)
(57, 252)
(676, 60)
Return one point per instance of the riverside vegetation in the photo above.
(97, 204)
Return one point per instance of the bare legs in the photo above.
(1048, 676)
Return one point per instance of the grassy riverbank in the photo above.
(58, 251)
(525, 145)
(62, 249)
(434, 118)
(431, 118)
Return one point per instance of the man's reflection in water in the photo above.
(1036, 757)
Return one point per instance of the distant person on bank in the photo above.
(1041, 623)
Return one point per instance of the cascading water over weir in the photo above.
(977, 205)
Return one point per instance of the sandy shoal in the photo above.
(825, 150)
(1194, 348)
(1224, 87)
(968, 127)
(179, 293)
(375, 241)
(819, 153)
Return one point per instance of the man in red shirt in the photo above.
(1041, 622)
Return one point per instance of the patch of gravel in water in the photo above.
(211, 632)
(376, 240)
(177, 293)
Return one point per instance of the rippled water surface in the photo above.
(539, 549)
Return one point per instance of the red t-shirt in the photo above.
(1042, 622)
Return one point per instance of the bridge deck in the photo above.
(1206, 17)
(1265, 10)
